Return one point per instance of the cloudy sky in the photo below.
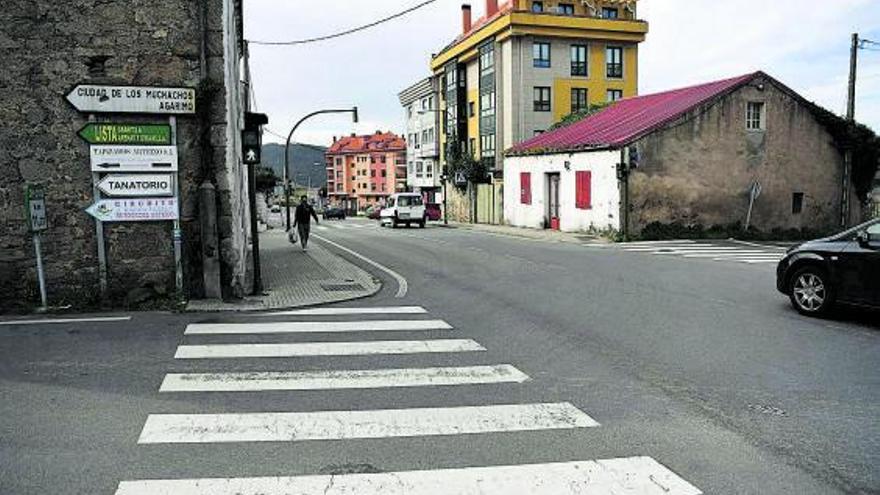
(804, 43)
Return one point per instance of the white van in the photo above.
(406, 208)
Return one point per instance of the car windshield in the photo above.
(409, 201)
(851, 233)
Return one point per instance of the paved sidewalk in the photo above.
(293, 278)
(537, 234)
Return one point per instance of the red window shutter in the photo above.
(583, 189)
(525, 188)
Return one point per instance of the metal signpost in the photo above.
(133, 164)
(35, 205)
(111, 133)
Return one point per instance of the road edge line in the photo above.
(402, 285)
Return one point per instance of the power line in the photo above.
(346, 32)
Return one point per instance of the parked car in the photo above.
(276, 208)
(844, 268)
(432, 211)
(373, 212)
(404, 208)
(333, 212)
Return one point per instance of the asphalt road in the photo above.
(698, 364)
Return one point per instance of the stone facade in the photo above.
(698, 170)
(54, 45)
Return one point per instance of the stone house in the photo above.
(745, 149)
(49, 47)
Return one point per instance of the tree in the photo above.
(459, 161)
(576, 116)
(265, 179)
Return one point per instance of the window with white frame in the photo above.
(614, 62)
(755, 115)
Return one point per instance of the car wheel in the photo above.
(810, 291)
(422, 224)
(393, 223)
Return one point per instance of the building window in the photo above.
(372, 173)
(471, 107)
(609, 13)
(419, 169)
(339, 161)
(384, 173)
(372, 187)
(487, 105)
(542, 99)
(487, 59)
(579, 60)
(578, 99)
(613, 95)
(429, 170)
(487, 145)
(525, 188)
(566, 9)
(583, 183)
(614, 62)
(472, 146)
(409, 111)
(537, 7)
(755, 115)
(797, 203)
(382, 159)
(541, 54)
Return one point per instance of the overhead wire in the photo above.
(347, 31)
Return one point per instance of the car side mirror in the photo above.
(863, 238)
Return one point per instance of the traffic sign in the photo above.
(94, 98)
(134, 210)
(114, 133)
(460, 179)
(137, 185)
(35, 204)
(133, 158)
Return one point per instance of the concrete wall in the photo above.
(699, 169)
(605, 210)
(48, 47)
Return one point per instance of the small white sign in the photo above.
(137, 185)
(134, 210)
(132, 99)
(133, 158)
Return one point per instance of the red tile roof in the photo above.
(629, 119)
(378, 142)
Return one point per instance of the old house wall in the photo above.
(52, 46)
(699, 169)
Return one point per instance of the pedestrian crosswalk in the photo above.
(228, 429)
(716, 251)
(347, 225)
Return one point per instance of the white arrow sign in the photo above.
(133, 158)
(134, 210)
(137, 185)
(132, 99)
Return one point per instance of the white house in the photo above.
(420, 106)
(564, 191)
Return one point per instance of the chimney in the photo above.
(491, 8)
(352, 134)
(334, 139)
(465, 18)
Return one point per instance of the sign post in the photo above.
(35, 205)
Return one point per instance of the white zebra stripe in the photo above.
(215, 351)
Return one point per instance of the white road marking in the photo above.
(314, 327)
(340, 379)
(755, 244)
(732, 253)
(652, 243)
(622, 476)
(333, 311)
(320, 227)
(65, 320)
(339, 425)
(326, 348)
(696, 251)
(755, 262)
(667, 249)
(402, 286)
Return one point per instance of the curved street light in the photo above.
(353, 111)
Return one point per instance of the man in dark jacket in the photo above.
(302, 221)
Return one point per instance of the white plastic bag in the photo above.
(291, 236)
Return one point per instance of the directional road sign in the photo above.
(35, 205)
(115, 133)
(92, 98)
(133, 158)
(134, 210)
(137, 185)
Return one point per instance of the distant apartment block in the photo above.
(525, 65)
(364, 170)
(422, 114)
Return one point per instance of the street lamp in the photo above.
(354, 115)
(443, 176)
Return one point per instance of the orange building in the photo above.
(364, 170)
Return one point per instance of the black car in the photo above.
(844, 268)
(334, 212)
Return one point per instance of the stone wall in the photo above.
(699, 169)
(55, 45)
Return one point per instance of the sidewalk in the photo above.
(293, 278)
(536, 234)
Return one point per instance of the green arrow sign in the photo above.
(114, 133)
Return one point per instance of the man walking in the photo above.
(302, 220)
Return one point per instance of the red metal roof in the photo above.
(628, 119)
(378, 142)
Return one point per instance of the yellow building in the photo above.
(527, 64)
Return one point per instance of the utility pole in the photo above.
(850, 118)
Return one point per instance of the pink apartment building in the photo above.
(364, 170)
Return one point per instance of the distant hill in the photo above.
(303, 158)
